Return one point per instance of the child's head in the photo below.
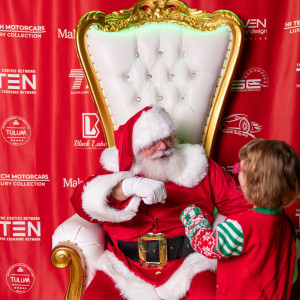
(270, 173)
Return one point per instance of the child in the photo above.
(256, 248)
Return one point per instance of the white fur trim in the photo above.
(109, 159)
(133, 287)
(194, 164)
(153, 125)
(130, 286)
(179, 283)
(94, 199)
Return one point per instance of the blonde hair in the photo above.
(272, 173)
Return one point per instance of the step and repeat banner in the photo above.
(51, 138)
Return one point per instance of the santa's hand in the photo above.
(151, 191)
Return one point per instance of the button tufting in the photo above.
(182, 98)
(194, 75)
(183, 53)
(160, 98)
(137, 54)
(126, 76)
(160, 53)
(138, 99)
(149, 76)
(171, 76)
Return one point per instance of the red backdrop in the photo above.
(50, 135)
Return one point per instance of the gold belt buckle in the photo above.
(163, 255)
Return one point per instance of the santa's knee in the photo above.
(102, 287)
(203, 286)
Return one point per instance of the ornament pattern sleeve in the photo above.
(225, 241)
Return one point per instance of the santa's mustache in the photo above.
(162, 154)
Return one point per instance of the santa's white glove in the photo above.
(151, 191)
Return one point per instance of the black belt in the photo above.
(177, 247)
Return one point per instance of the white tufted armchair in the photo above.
(157, 52)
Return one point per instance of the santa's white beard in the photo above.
(163, 170)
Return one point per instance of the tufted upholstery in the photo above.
(165, 63)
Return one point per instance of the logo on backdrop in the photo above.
(256, 29)
(90, 132)
(20, 278)
(16, 131)
(22, 229)
(292, 26)
(79, 85)
(18, 81)
(71, 182)
(23, 180)
(65, 33)
(90, 125)
(254, 79)
(239, 124)
(22, 31)
(228, 169)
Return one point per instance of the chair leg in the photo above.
(62, 257)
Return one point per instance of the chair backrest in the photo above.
(160, 52)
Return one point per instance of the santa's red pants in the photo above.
(203, 286)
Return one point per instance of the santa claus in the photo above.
(138, 193)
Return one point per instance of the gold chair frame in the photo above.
(68, 255)
(157, 11)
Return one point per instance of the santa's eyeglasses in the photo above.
(237, 168)
(167, 141)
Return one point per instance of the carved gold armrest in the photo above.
(69, 255)
(77, 244)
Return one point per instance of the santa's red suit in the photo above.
(198, 181)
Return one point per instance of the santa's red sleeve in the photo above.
(92, 199)
(227, 196)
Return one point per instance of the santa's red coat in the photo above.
(202, 182)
